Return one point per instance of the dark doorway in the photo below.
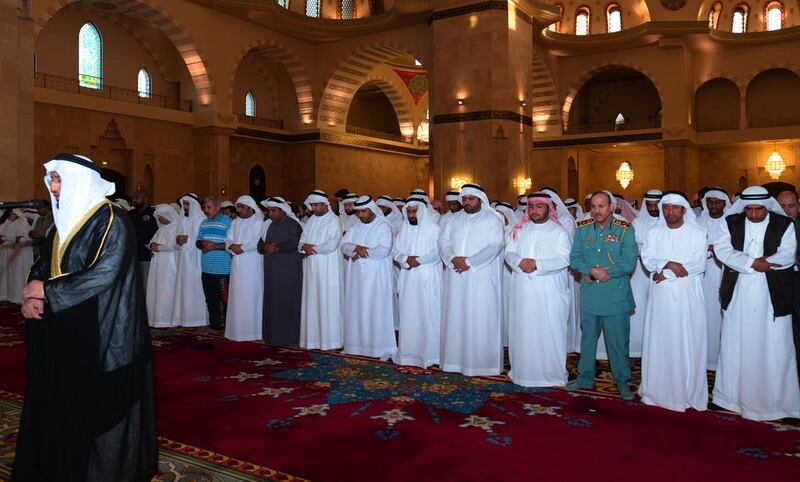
(118, 180)
(258, 183)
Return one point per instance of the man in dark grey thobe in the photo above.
(283, 275)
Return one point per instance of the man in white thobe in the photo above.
(19, 251)
(368, 305)
(321, 306)
(163, 268)
(757, 371)
(645, 220)
(509, 220)
(538, 249)
(393, 215)
(674, 350)
(521, 209)
(574, 321)
(715, 203)
(420, 286)
(190, 301)
(470, 246)
(243, 320)
(347, 213)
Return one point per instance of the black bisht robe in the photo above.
(89, 411)
(283, 284)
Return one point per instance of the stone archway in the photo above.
(149, 12)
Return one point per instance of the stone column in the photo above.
(212, 160)
(16, 103)
(681, 167)
(480, 94)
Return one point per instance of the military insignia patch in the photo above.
(611, 238)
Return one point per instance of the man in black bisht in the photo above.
(144, 222)
(89, 411)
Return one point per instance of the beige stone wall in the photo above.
(166, 146)
(367, 171)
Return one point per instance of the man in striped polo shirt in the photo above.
(215, 261)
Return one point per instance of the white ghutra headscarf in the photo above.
(82, 189)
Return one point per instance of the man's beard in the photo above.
(412, 221)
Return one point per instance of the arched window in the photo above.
(774, 16)
(90, 57)
(249, 104)
(143, 83)
(347, 9)
(582, 16)
(713, 15)
(556, 26)
(283, 3)
(614, 15)
(739, 24)
(313, 8)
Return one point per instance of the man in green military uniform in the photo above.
(605, 253)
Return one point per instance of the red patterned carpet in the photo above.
(327, 417)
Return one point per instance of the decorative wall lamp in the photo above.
(423, 134)
(523, 184)
(461, 101)
(775, 165)
(457, 182)
(624, 174)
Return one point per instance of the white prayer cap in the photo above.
(366, 202)
(522, 201)
(676, 198)
(317, 196)
(251, 203)
(82, 188)
(226, 204)
(123, 204)
(474, 190)
(653, 195)
(452, 196)
(280, 203)
(755, 195)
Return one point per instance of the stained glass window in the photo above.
(283, 3)
(143, 83)
(249, 104)
(619, 121)
(739, 20)
(313, 8)
(614, 19)
(90, 57)
(774, 16)
(582, 22)
(348, 9)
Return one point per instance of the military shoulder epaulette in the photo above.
(620, 222)
(585, 222)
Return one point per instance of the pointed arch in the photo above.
(147, 11)
(277, 52)
(250, 104)
(350, 75)
(144, 84)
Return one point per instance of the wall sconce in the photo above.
(523, 103)
(523, 184)
(775, 165)
(624, 174)
(460, 101)
(457, 182)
